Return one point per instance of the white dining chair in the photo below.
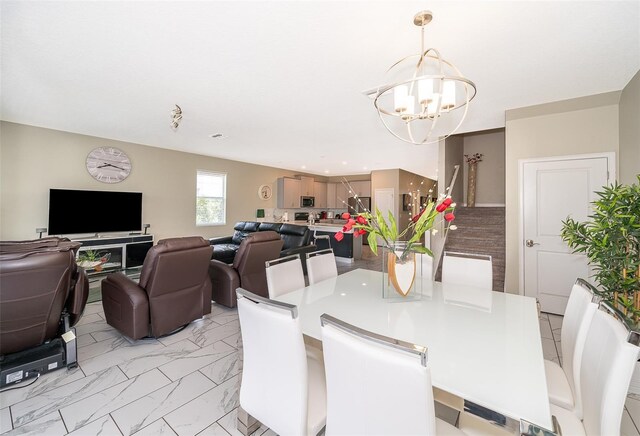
(608, 362)
(321, 265)
(563, 382)
(283, 386)
(284, 275)
(467, 269)
(377, 385)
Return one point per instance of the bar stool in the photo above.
(317, 238)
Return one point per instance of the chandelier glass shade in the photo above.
(426, 98)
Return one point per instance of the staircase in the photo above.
(481, 230)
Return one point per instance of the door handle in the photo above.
(530, 243)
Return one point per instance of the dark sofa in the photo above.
(297, 239)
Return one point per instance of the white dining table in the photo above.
(481, 345)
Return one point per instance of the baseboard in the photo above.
(487, 205)
(634, 387)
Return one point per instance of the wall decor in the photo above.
(265, 192)
(472, 160)
(406, 202)
(108, 164)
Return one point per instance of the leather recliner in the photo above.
(174, 290)
(42, 295)
(248, 269)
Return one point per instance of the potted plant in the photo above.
(611, 241)
(89, 259)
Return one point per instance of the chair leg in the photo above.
(246, 424)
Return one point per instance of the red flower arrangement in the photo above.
(377, 227)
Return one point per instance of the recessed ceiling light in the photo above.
(344, 162)
(304, 167)
(216, 135)
(364, 168)
(326, 171)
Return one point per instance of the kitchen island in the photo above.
(347, 250)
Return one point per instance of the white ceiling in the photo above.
(283, 80)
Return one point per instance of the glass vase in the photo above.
(401, 279)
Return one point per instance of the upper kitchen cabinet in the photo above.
(320, 194)
(331, 195)
(361, 188)
(306, 186)
(342, 195)
(289, 193)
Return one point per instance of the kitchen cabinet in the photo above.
(342, 195)
(288, 193)
(320, 194)
(361, 188)
(331, 195)
(306, 186)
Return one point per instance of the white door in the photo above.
(552, 191)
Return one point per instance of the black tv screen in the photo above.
(74, 211)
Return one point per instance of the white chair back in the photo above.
(608, 362)
(577, 319)
(284, 275)
(467, 269)
(321, 265)
(274, 377)
(375, 385)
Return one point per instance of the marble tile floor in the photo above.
(185, 384)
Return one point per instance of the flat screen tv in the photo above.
(75, 211)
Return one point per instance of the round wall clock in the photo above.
(108, 164)
(264, 192)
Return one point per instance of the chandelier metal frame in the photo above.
(429, 111)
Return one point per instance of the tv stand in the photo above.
(126, 251)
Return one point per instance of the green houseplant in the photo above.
(611, 241)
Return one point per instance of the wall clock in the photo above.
(108, 164)
(264, 192)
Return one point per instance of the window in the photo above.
(211, 202)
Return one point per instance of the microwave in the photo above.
(307, 201)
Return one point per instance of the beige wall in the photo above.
(630, 131)
(555, 129)
(33, 160)
(490, 173)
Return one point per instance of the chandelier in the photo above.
(427, 98)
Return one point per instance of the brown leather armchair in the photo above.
(174, 290)
(248, 268)
(42, 296)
